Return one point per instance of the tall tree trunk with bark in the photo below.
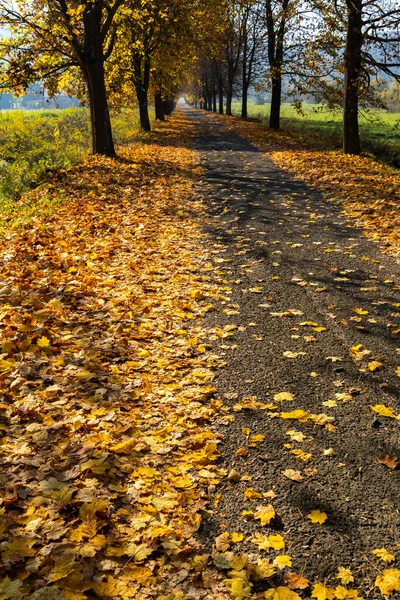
(220, 95)
(276, 38)
(92, 63)
(214, 95)
(244, 80)
(159, 107)
(229, 95)
(141, 70)
(352, 71)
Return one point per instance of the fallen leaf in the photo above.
(293, 475)
(384, 411)
(265, 514)
(322, 592)
(388, 581)
(283, 561)
(316, 516)
(384, 555)
(296, 581)
(283, 397)
(392, 463)
(344, 575)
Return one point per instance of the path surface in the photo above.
(289, 260)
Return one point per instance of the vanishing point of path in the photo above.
(314, 309)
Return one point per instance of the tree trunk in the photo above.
(141, 95)
(141, 79)
(275, 114)
(244, 80)
(210, 101)
(159, 107)
(214, 93)
(91, 61)
(352, 70)
(229, 95)
(220, 96)
(102, 141)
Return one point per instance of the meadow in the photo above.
(379, 129)
(33, 143)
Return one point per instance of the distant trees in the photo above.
(332, 49)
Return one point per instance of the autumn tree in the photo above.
(277, 13)
(370, 34)
(252, 34)
(55, 40)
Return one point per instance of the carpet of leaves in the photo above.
(366, 190)
(105, 452)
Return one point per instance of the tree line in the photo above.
(337, 51)
(107, 52)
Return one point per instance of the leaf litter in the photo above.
(107, 399)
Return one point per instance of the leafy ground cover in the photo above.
(380, 130)
(368, 191)
(106, 453)
(32, 143)
(110, 451)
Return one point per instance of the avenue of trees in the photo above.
(337, 51)
(108, 53)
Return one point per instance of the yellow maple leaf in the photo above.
(384, 555)
(240, 588)
(344, 575)
(322, 592)
(342, 593)
(259, 437)
(63, 566)
(301, 455)
(375, 365)
(301, 415)
(384, 411)
(360, 311)
(251, 494)
(316, 516)
(237, 537)
(389, 581)
(265, 514)
(43, 342)
(276, 542)
(281, 593)
(283, 561)
(283, 397)
(398, 371)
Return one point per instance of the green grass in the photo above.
(32, 143)
(380, 130)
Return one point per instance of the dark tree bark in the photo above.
(141, 71)
(229, 95)
(220, 95)
(214, 98)
(91, 60)
(276, 39)
(352, 66)
(159, 107)
(244, 78)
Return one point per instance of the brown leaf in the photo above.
(389, 462)
(295, 581)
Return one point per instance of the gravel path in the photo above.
(300, 279)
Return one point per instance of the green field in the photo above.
(380, 130)
(35, 142)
